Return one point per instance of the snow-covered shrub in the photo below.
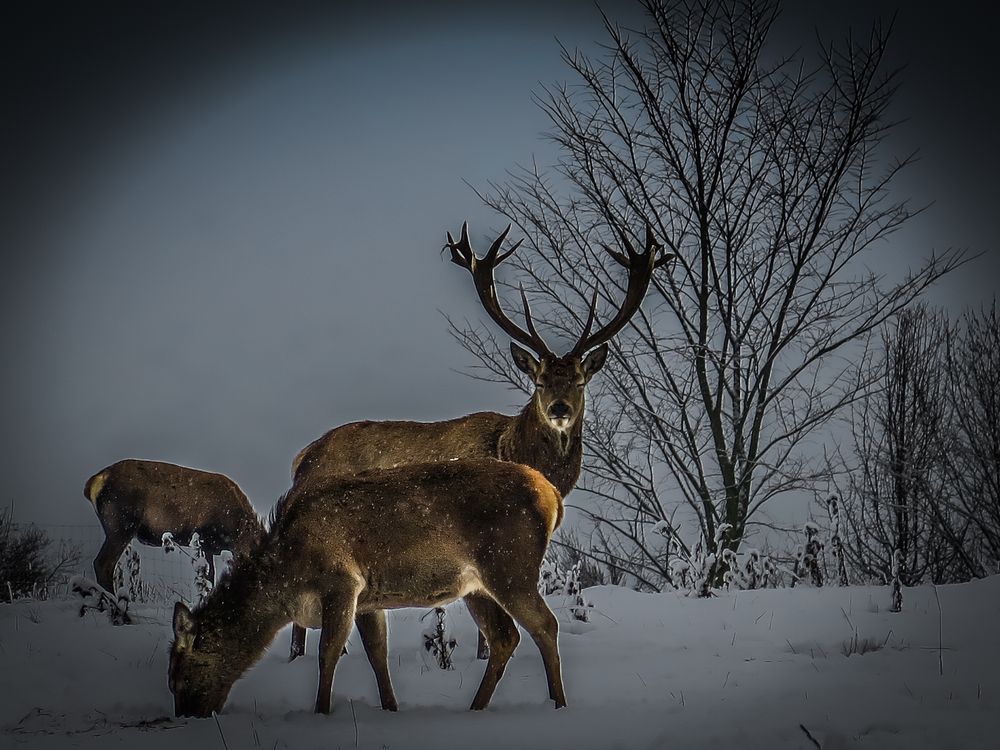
(203, 583)
(29, 561)
(568, 548)
(733, 578)
(808, 557)
(96, 598)
(580, 608)
(128, 577)
(750, 570)
(813, 554)
(439, 643)
(553, 579)
(701, 572)
(168, 543)
(771, 575)
(550, 577)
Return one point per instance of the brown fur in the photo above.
(527, 438)
(340, 547)
(144, 499)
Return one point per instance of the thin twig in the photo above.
(940, 632)
(221, 733)
(811, 738)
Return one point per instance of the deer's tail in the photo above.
(94, 485)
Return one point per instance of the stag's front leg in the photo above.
(338, 614)
(372, 628)
(502, 637)
(530, 611)
(298, 645)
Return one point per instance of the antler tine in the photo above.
(527, 315)
(590, 316)
(491, 254)
(461, 251)
(640, 271)
(482, 274)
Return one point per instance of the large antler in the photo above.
(482, 273)
(640, 270)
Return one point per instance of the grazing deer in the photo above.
(145, 499)
(343, 546)
(546, 434)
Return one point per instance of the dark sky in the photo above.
(221, 226)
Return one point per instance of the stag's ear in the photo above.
(184, 627)
(595, 361)
(524, 361)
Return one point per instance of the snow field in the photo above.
(744, 669)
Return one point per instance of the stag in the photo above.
(345, 546)
(142, 500)
(546, 434)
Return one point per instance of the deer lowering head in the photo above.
(136, 499)
(559, 380)
(343, 549)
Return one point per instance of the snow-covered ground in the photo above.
(741, 670)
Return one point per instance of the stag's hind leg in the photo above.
(338, 614)
(533, 614)
(372, 628)
(117, 535)
(104, 563)
(298, 645)
(501, 637)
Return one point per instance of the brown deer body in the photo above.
(546, 435)
(142, 500)
(353, 546)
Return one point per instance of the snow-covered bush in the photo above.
(813, 554)
(127, 577)
(94, 597)
(203, 583)
(550, 577)
(439, 643)
(29, 561)
(553, 579)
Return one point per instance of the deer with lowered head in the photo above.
(546, 434)
(340, 547)
(142, 500)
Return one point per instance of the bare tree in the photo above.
(974, 377)
(766, 177)
(901, 494)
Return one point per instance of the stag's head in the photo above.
(559, 380)
(199, 675)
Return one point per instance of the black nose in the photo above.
(559, 410)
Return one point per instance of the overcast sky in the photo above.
(221, 228)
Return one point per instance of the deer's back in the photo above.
(360, 446)
(159, 496)
(421, 534)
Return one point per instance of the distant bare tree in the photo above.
(766, 176)
(901, 495)
(974, 377)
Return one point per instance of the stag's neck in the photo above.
(243, 614)
(530, 440)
